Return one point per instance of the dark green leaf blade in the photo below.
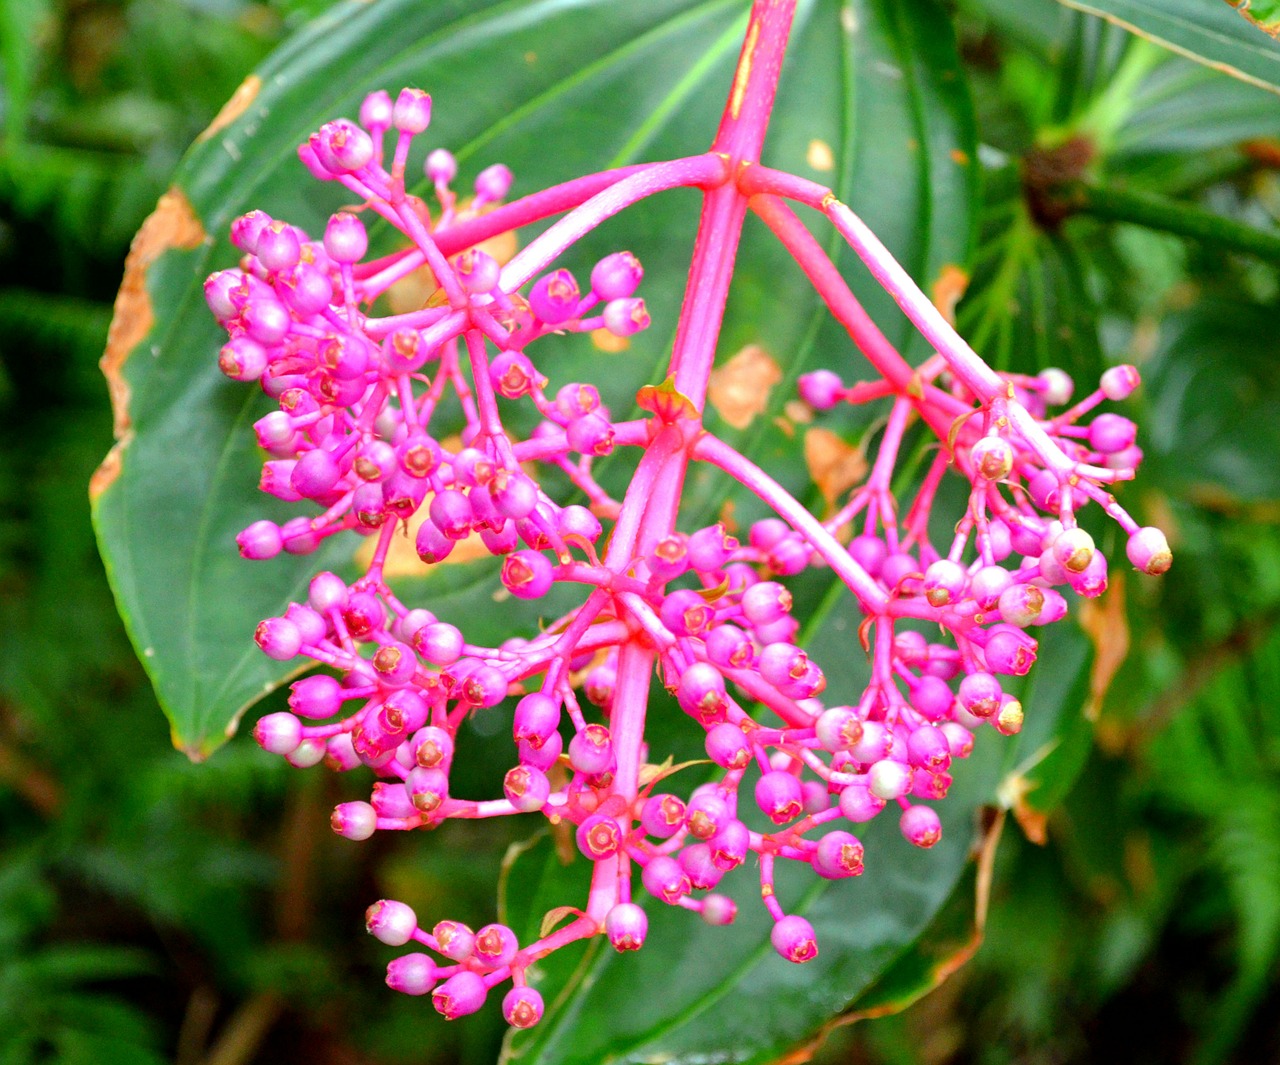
(185, 486)
(1209, 33)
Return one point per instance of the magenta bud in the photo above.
(526, 788)
(1091, 581)
(599, 837)
(412, 111)
(1110, 433)
(838, 855)
(718, 910)
(793, 937)
(729, 647)
(493, 183)
(701, 693)
(838, 728)
(993, 458)
(242, 359)
(986, 585)
(261, 540)
(575, 520)
(1056, 387)
(1119, 382)
(455, 939)
(664, 879)
(412, 974)
(440, 167)
(778, 794)
(889, 779)
(928, 748)
(354, 820)
(428, 788)
(1148, 551)
(376, 111)
(537, 717)
(327, 592)
(730, 844)
(728, 747)
(980, 694)
(345, 239)
(858, 804)
(944, 582)
(626, 925)
(1009, 650)
(1021, 604)
(765, 602)
(495, 945)
(700, 867)
(315, 697)
(591, 751)
(461, 994)
(706, 812)
(527, 574)
(616, 276)
(624, 318)
(278, 733)
(278, 638)
(1073, 549)
(821, 389)
(544, 757)
(477, 271)
(390, 922)
(662, 816)
(522, 1007)
(554, 297)
(920, 826)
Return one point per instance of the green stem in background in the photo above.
(1114, 204)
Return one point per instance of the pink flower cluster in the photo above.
(798, 767)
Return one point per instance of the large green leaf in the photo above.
(552, 90)
(697, 994)
(1204, 30)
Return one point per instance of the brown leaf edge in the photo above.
(984, 856)
(173, 224)
(1271, 25)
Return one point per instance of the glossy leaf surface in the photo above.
(872, 101)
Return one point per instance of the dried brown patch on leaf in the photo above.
(237, 105)
(1106, 623)
(173, 224)
(1265, 14)
(834, 465)
(949, 289)
(739, 390)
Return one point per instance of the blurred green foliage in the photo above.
(156, 911)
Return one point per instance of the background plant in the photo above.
(1167, 880)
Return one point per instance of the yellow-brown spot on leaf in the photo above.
(959, 157)
(820, 156)
(798, 411)
(834, 465)
(240, 100)
(1106, 623)
(173, 224)
(739, 390)
(948, 290)
(609, 343)
(415, 290)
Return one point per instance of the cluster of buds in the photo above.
(796, 767)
